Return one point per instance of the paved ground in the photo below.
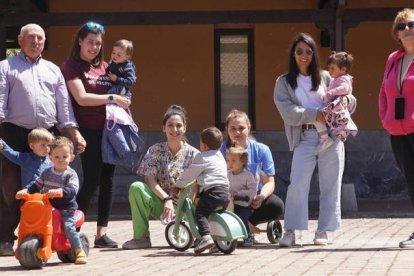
(366, 246)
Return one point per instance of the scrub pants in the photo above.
(144, 205)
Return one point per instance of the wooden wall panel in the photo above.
(175, 64)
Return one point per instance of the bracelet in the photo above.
(168, 198)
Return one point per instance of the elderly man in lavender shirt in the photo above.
(32, 94)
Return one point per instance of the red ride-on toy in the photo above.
(41, 232)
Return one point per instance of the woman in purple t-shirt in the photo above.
(88, 84)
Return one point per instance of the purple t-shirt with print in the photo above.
(95, 81)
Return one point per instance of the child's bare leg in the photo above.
(324, 141)
(323, 134)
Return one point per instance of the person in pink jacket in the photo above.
(396, 101)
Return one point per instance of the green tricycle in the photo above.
(225, 227)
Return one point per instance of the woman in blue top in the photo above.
(266, 205)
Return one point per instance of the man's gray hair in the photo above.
(30, 26)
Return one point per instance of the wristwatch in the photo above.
(110, 98)
(170, 197)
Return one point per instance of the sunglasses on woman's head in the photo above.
(402, 26)
(300, 51)
(93, 25)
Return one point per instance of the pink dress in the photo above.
(336, 114)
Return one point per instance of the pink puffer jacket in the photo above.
(389, 91)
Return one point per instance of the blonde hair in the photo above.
(402, 15)
(235, 113)
(125, 45)
(241, 152)
(61, 141)
(39, 134)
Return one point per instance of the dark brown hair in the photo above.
(342, 60)
(314, 68)
(83, 32)
(175, 110)
(212, 137)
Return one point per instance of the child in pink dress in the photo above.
(336, 114)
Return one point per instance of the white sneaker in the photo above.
(288, 239)
(324, 143)
(409, 243)
(321, 238)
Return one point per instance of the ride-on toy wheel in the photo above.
(274, 231)
(27, 252)
(227, 247)
(70, 256)
(184, 240)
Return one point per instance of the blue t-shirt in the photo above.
(260, 160)
(31, 165)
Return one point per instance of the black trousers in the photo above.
(95, 174)
(271, 209)
(10, 179)
(403, 148)
(210, 200)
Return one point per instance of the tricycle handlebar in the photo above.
(47, 195)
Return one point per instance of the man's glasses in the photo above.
(402, 26)
(93, 25)
(300, 51)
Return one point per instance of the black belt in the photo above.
(12, 126)
(308, 126)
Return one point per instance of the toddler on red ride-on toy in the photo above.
(61, 179)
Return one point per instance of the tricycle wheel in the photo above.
(27, 253)
(70, 255)
(226, 246)
(274, 231)
(64, 257)
(184, 239)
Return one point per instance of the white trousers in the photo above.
(330, 166)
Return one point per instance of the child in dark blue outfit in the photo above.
(33, 163)
(121, 69)
(121, 143)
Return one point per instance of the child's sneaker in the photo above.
(81, 257)
(249, 241)
(409, 243)
(205, 243)
(324, 143)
